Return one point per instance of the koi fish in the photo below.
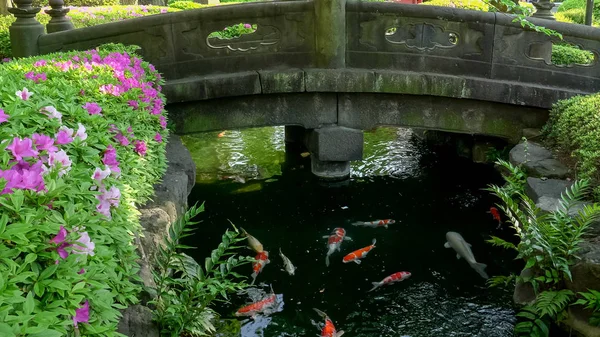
(395, 277)
(356, 255)
(253, 242)
(221, 134)
(462, 248)
(263, 306)
(262, 259)
(496, 215)
(375, 223)
(289, 267)
(334, 242)
(329, 329)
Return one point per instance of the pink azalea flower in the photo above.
(104, 208)
(60, 157)
(247, 26)
(60, 237)
(3, 116)
(62, 252)
(81, 132)
(122, 139)
(134, 104)
(110, 89)
(100, 174)
(84, 245)
(82, 315)
(113, 196)
(24, 94)
(22, 148)
(40, 63)
(32, 178)
(30, 75)
(163, 122)
(92, 108)
(43, 142)
(64, 135)
(140, 147)
(81, 271)
(51, 112)
(110, 156)
(158, 137)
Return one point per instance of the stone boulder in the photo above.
(537, 161)
(537, 188)
(156, 217)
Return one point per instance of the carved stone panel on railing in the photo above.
(283, 36)
(419, 38)
(527, 56)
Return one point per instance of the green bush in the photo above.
(568, 5)
(477, 5)
(184, 5)
(566, 54)
(234, 31)
(83, 145)
(574, 127)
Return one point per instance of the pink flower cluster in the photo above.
(37, 78)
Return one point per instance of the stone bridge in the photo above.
(336, 68)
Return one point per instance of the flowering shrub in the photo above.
(81, 143)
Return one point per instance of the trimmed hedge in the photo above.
(82, 143)
(574, 126)
(79, 3)
(565, 54)
(184, 5)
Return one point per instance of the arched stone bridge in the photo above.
(350, 67)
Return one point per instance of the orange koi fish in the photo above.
(375, 223)
(334, 242)
(221, 134)
(264, 306)
(329, 329)
(262, 259)
(395, 277)
(495, 214)
(356, 255)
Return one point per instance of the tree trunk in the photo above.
(152, 2)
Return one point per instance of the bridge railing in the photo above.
(462, 50)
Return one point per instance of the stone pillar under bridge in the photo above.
(332, 148)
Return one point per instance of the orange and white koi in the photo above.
(253, 242)
(356, 255)
(262, 259)
(375, 223)
(395, 277)
(263, 306)
(334, 242)
(329, 329)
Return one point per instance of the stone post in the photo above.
(543, 10)
(60, 21)
(24, 32)
(330, 33)
(332, 148)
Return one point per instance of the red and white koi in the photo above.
(356, 255)
(262, 259)
(375, 223)
(329, 329)
(334, 242)
(395, 277)
(263, 306)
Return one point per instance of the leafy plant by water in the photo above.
(548, 242)
(184, 289)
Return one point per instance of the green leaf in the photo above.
(29, 304)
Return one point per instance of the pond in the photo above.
(243, 176)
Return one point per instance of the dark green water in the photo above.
(428, 193)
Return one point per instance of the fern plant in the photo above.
(548, 242)
(184, 289)
(591, 301)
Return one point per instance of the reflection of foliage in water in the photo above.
(252, 153)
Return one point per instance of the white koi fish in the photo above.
(289, 267)
(463, 249)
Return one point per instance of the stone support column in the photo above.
(24, 32)
(332, 148)
(330, 33)
(60, 21)
(543, 10)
